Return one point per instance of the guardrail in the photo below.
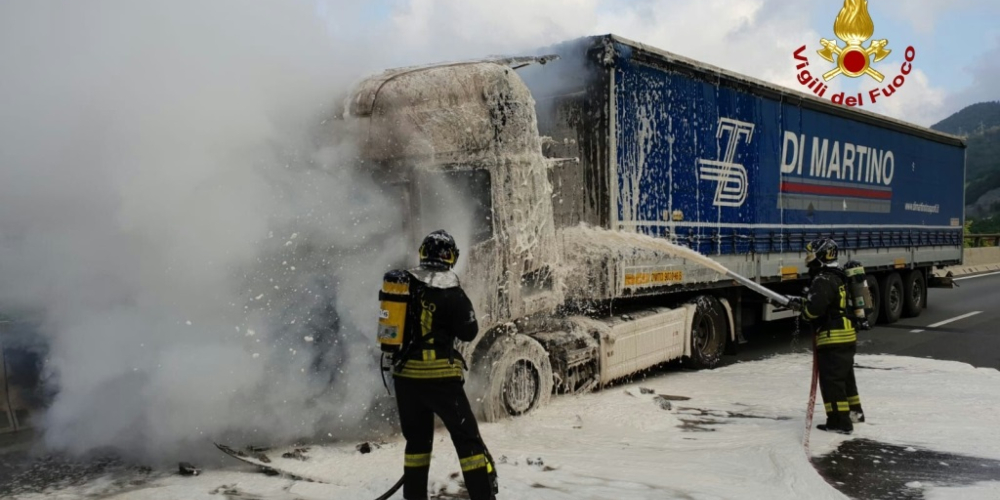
(982, 240)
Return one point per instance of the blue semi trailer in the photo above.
(745, 172)
(563, 172)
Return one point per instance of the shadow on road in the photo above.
(868, 470)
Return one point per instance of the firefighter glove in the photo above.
(795, 303)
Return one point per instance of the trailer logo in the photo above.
(853, 26)
(730, 178)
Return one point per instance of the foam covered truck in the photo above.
(562, 171)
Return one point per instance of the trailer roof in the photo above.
(784, 94)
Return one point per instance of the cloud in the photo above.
(985, 73)
(921, 102)
(917, 101)
(449, 29)
(924, 15)
(754, 37)
(751, 37)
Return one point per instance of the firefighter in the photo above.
(825, 306)
(428, 373)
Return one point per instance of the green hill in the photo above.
(980, 125)
(982, 169)
(971, 120)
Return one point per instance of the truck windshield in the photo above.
(458, 200)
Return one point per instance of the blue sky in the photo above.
(957, 41)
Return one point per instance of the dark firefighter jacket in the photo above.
(825, 307)
(439, 312)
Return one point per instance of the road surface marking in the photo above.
(976, 276)
(916, 331)
(952, 320)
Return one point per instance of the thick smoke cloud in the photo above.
(177, 206)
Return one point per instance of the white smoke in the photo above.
(178, 205)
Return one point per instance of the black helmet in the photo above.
(438, 250)
(821, 252)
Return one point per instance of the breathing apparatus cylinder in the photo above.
(394, 296)
(861, 297)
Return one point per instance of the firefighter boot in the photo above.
(838, 422)
(837, 429)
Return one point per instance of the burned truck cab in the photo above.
(458, 145)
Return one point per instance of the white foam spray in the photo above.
(585, 246)
(589, 239)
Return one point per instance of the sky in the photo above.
(957, 43)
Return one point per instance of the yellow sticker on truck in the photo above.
(789, 273)
(653, 278)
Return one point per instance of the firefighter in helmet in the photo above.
(825, 307)
(428, 373)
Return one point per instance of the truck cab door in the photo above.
(460, 200)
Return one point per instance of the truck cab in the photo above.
(458, 145)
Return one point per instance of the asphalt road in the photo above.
(966, 317)
(969, 333)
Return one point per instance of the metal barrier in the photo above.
(982, 240)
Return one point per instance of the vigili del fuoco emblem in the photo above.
(854, 26)
(855, 58)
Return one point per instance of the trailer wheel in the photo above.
(876, 305)
(892, 297)
(517, 377)
(915, 288)
(708, 333)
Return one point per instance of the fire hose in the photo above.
(757, 287)
(812, 401)
(784, 301)
(394, 489)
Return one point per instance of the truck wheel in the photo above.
(517, 375)
(708, 333)
(876, 305)
(892, 297)
(915, 294)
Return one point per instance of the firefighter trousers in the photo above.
(419, 401)
(837, 383)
